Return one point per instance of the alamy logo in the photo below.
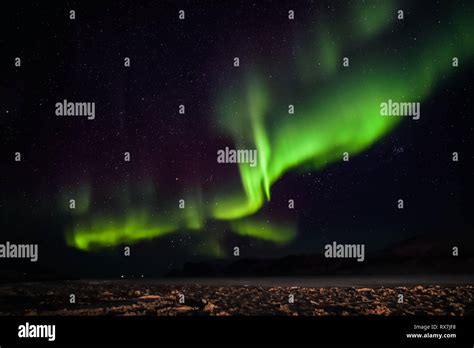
(393, 108)
(66, 108)
(345, 251)
(237, 156)
(37, 331)
(21, 251)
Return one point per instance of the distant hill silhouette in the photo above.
(426, 254)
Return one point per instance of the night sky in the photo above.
(190, 62)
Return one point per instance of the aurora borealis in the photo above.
(344, 117)
(173, 188)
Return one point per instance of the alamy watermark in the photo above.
(393, 108)
(28, 330)
(19, 251)
(345, 251)
(237, 156)
(66, 108)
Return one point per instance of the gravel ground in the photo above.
(116, 298)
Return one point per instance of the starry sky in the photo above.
(190, 62)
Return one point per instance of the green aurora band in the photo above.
(336, 111)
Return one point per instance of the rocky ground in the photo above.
(129, 298)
